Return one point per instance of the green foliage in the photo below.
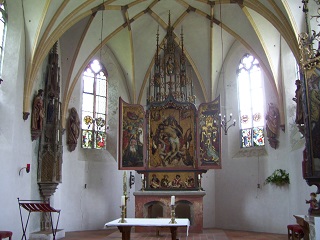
(279, 177)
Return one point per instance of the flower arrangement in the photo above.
(279, 177)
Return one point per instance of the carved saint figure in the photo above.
(170, 65)
(73, 129)
(272, 125)
(155, 182)
(298, 100)
(177, 182)
(37, 112)
(165, 181)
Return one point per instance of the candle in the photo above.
(123, 200)
(199, 176)
(173, 200)
(28, 168)
(142, 176)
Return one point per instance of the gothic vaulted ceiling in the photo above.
(128, 29)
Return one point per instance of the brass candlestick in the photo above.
(125, 206)
(123, 213)
(173, 215)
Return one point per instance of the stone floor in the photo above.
(208, 234)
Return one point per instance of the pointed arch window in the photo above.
(251, 102)
(3, 28)
(94, 106)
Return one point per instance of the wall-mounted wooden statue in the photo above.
(73, 129)
(272, 125)
(309, 69)
(37, 115)
(299, 107)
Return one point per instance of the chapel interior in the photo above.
(212, 104)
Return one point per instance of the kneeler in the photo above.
(295, 231)
(37, 206)
(5, 234)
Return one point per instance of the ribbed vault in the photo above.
(129, 30)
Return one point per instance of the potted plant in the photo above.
(279, 177)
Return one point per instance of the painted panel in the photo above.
(209, 134)
(131, 136)
(171, 136)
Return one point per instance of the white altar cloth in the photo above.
(151, 222)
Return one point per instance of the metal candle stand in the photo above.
(143, 182)
(200, 188)
(173, 215)
(123, 213)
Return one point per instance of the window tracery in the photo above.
(3, 27)
(94, 106)
(250, 96)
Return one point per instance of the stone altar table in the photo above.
(125, 228)
(187, 202)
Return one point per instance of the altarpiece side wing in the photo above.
(131, 136)
(209, 135)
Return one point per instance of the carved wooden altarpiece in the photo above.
(309, 46)
(170, 142)
(50, 144)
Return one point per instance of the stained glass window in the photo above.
(94, 106)
(251, 102)
(3, 26)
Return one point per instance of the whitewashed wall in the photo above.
(82, 208)
(239, 204)
(16, 148)
(92, 185)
